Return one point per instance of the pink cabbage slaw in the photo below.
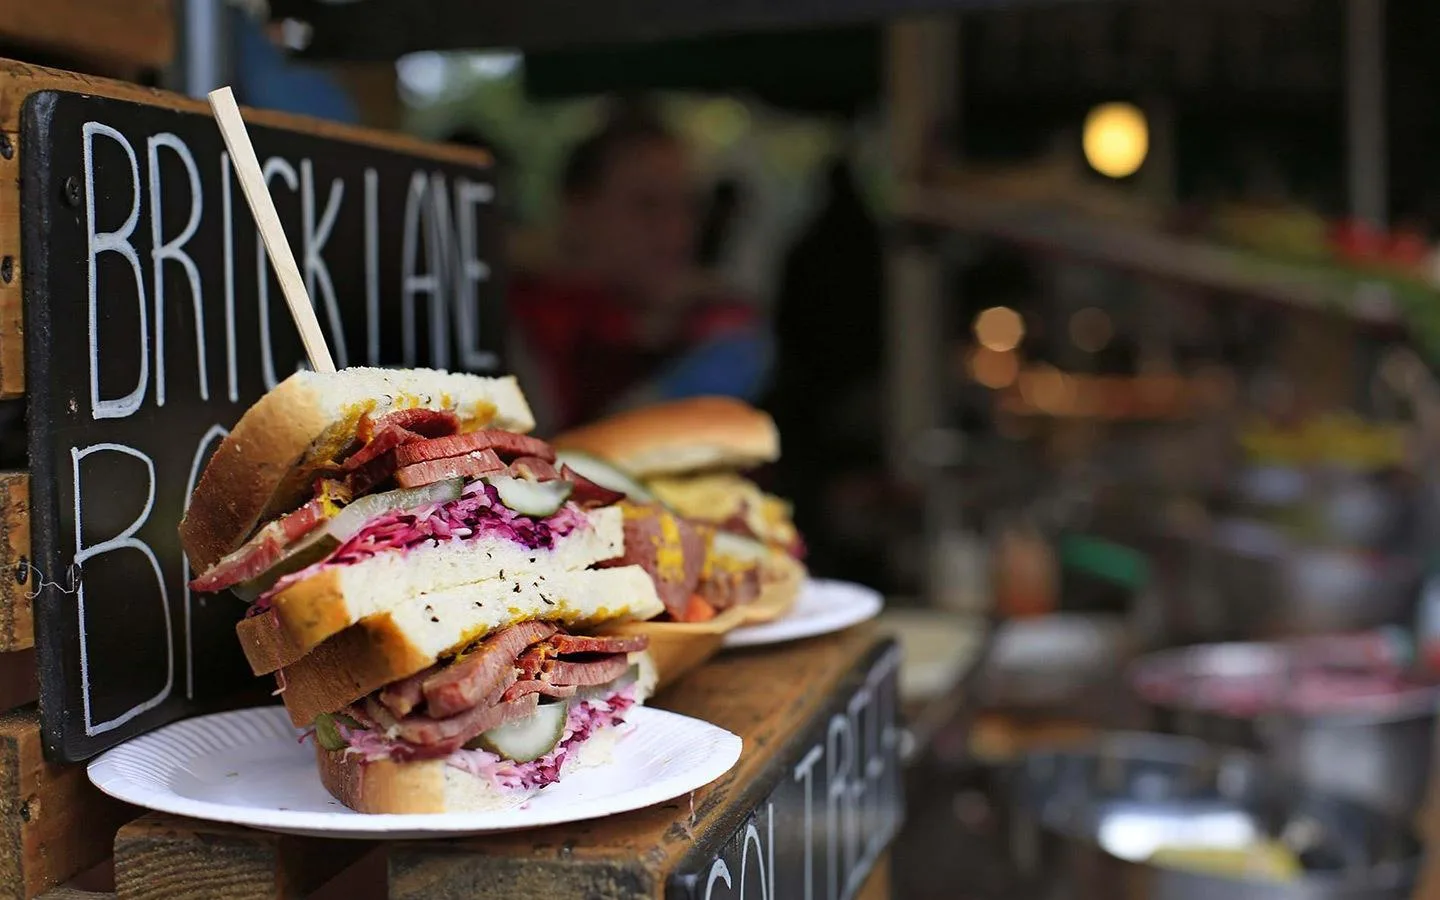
(583, 720)
(477, 514)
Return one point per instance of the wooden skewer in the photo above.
(252, 182)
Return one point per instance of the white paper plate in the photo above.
(248, 768)
(824, 606)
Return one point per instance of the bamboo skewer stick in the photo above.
(257, 194)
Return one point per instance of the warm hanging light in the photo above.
(1116, 139)
(999, 328)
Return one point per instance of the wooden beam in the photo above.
(63, 893)
(53, 823)
(170, 858)
(138, 33)
(17, 614)
(18, 684)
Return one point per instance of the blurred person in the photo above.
(622, 315)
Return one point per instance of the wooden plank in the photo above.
(17, 614)
(18, 685)
(53, 823)
(171, 858)
(769, 698)
(19, 80)
(131, 32)
(64, 893)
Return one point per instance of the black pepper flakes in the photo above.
(435, 618)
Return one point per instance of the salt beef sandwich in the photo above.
(424, 586)
(719, 548)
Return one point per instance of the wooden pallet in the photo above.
(773, 699)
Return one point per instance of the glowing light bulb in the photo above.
(999, 328)
(1116, 139)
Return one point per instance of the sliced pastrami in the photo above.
(480, 674)
(475, 463)
(535, 686)
(433, 737)
(565, 644)
(587, 673)
(505, 443)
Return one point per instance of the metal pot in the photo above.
(1084, 823)
(1381, 753)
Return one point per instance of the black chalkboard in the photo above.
(829, 807)
(130, 389)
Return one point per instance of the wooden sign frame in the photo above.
(38, 599)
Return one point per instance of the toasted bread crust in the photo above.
(690, 435)
(312, 610)
(267, 463)
(348, 666)
(382, 786)
(246, 472)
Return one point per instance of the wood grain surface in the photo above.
(159, 857)
(17, 616)
(139, 33)
(53, 823)
(18, 685)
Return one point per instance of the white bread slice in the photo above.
(407, 638)
(435, 786)
(267, 464)
(337, 597)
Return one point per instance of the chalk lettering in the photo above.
(752, 838)
(471, 271)
(228, 248)
(117, 241)
(718, 872)
(804, 770)
(313, 239)
(273, 166)
(414, 282)
(173, 250)
(839, 755)
(372, 267)
(125, 540)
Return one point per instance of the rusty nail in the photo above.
(72, 190)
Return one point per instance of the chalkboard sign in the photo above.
(829, 813)
(152, 320)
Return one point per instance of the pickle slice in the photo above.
(530, 738)
(604, 474)
(320, 543)
(537, 499)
